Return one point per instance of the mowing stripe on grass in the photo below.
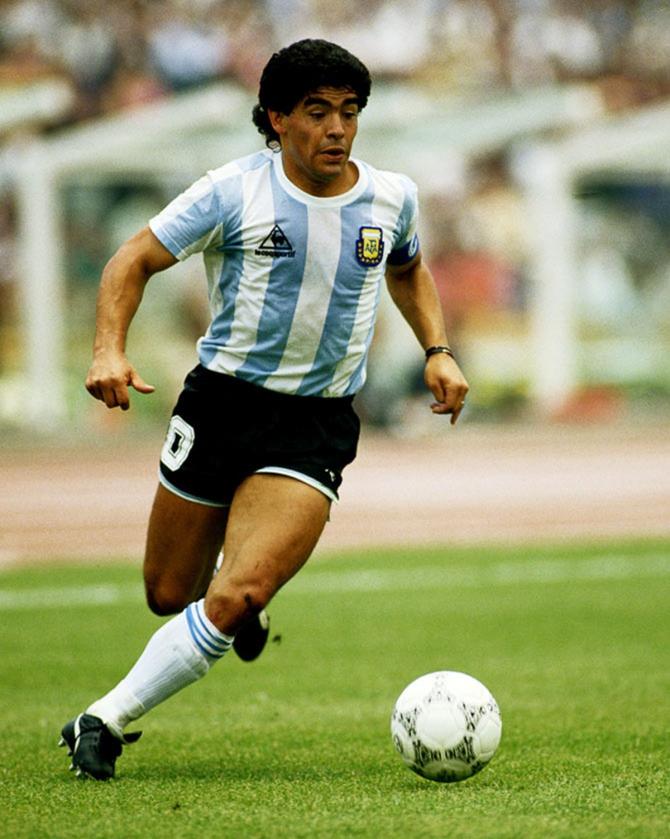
(545, 571)
(58, 598)
(498, 574)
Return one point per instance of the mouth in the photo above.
(335, 154)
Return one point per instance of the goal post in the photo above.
(548, 173)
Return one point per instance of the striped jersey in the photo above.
(294, 279)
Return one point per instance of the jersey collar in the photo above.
(318, 201)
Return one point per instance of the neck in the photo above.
(321, 188)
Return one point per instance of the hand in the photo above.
(448, 385)
(110, 376)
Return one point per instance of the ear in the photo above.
(276, 121)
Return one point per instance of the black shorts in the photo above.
(224, 429)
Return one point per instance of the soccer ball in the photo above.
(446, 726)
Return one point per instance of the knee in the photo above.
(231, 607)
(164, 598)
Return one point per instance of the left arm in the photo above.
(413, 291)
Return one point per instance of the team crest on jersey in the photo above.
(370, 246)
(275, 244)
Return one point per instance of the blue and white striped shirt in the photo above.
(294, 279)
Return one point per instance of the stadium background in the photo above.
(555, 286)
(528, 545)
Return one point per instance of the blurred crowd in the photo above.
(114, 56)
(130, 51)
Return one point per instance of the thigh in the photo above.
(274, 525)
(183, 541)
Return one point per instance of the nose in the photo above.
(335, 127)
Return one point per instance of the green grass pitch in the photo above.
(573, 641)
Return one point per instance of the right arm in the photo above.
(121, 288)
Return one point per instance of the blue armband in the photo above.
(404, 254)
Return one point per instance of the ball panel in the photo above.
(446, 726)
(489, 732)
(441, 724)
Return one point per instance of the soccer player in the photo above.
(296, 241)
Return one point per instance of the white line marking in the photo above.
(504, 573)
(499, 574)
(58, 598)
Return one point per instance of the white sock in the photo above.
(178, 654)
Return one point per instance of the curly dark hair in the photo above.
(301, 68)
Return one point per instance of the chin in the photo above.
(335, 168)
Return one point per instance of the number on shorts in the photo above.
(178, 443)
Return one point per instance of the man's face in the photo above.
(316, 139)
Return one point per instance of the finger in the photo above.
(100, 390)
(460, 404)
(93, 390)
(139, 384)
(121, 398)
(448, 408)
(109, 397)
(116, 396)
(439, 391)
(92, 385)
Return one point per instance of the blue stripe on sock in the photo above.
(213, 637)
(202, 636)
(194, 634)
(201, 641)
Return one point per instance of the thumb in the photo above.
(139, 384)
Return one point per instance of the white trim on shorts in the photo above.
(270, 470)
(299, 476)
(187, 496)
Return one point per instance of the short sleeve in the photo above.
(192, 222)
(406, 240)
